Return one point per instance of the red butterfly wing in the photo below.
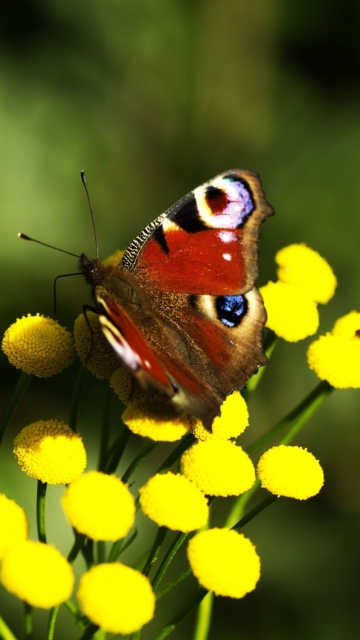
(207, 242)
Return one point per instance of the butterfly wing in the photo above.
(193, 314)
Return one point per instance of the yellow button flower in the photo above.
(154, 419)
(38, 346)
(99, 506)
(232, 421)
(50, 451)
(171, 500)
(335, 357)
(14, 524)
(117, 598)
(122, 382)
(306, 269)
(224, 561)
(290, 471)
(291, 313)
(93, 349)
(218, 468)
(37, 573)
(115, 258)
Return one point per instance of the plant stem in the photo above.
(52, 620)
(40, 510)
(117, 450)
(155, 550)
(192, 602)
(203, 621)
(302, 413)
(145, 450)
(89, 632)
(15, 399)
(184, 444)
(28, 621)
(179, 540)
(105, 431)
(5, 633)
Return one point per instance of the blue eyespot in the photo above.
(231, 309)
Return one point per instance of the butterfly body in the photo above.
(180, 309)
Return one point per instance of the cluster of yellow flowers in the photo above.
(101, 507)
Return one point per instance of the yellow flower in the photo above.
(14, 525)
(291, 313)
(290, 471)
(224, 561)
(50, 451)
(232, 421)
(218, 468)
(93, 349)
(117, 598)
(114, 259)
(122, 382)
(173, 501)
(306, 269)
(335, 357)
(37, 573)
(151, 418)
(100, 506)
(38, 346)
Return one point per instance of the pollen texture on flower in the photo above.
(50, 451)
(14, 526)
(38, 346)
(290, 471)
(37, 573)
(224, 561)
(117, 598)
(291, 313)
(305, 268)
(93, 349)
(99, 506)
(114, 259)
(232, 421)
(153, 419)
(336, 358)
(173, 501)
(347, 326)
(218, 468)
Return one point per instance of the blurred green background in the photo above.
(151, 99)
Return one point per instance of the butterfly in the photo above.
(180, 310)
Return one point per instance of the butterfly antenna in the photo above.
(83, 180)
(44, 244)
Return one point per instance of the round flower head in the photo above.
(122, 383)
(335, 357)
(290, 471)
(154, 419)
(305, 268)
(347, 326)
(232, 421)
(117, 598)
(224, 561)
(37, 573)
(38, 346)
(93, 349)
(173, 501)
(291, 313)
(218, 468)
(50, 451)
(14, 525)
(99, 506)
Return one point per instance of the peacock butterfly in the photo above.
(181, 310)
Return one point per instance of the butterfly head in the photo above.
(92, 269)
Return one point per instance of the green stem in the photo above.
(203, 622)
(183, 445)
(76, 397)
(270, 342)
(146, 449)
(238, 508)
(120, 546)
(40, 510)
(192, 602)
(174, 583)
(89, 632)
(179, 540)
(117, 450)
(155, 550)
(105, 431)
(77, 546)
(28, 621)
(52, 621)
(5, 633)
(301, 414)
(15, 399)
(254, 512)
